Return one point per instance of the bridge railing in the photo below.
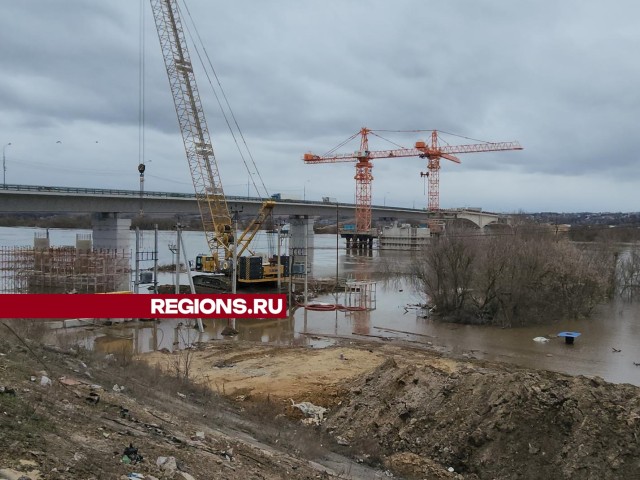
(44, 189)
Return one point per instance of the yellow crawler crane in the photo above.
(212, 203)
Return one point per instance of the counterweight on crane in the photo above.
(433, 153)
(212, 203)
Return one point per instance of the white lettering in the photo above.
(224, 305)
(260, 306)
(239, 306)
(157, 305)
(279, 308)
(207, 306)
(185, 306)
(228, 305)
(171, 306)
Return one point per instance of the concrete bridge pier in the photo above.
(110, 231)
(301, 243)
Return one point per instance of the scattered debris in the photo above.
(615, 350)
(7, 391)
(181, 395)
(168, 464)
(93, 398)
(314, 412)
(229, 331)
(224, 364)
(117, 388)
(10, 474)
(131, 454)
(70, 382)
(385, 329)
(45, 381)
(227, 454)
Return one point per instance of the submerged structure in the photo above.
(67, 269)
(403, 237)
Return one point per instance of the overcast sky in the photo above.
(562, 78)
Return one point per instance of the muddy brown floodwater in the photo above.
(608, 347)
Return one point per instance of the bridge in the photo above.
(475, 216)
(110, 227)
(46, 199)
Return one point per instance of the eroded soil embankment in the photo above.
(421, 413)
(492, 421)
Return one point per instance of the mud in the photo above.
(77, 427)
(245, 370)
(393, 409)
(491, 421)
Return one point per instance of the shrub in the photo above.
(513, 279)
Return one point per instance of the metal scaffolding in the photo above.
(63, 270)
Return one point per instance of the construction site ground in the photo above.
(392, 410)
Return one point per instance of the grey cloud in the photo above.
(559, 77)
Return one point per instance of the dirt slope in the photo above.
(491, 421)
(55, 431)
(414, 412)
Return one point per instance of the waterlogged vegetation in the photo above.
(520, 279)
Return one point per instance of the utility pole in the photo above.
(306, 260)
(234, 258)
(178, 241)
(279, 224)
(155, 259)
(4, 165)
(136, 280)
(234, 268)
(337, 240)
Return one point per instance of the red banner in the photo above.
(143, 306)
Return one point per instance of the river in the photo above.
(608, 347)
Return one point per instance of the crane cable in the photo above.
(341, 144)
(372, 132)
(439, 131)
(141, 104)
(206, 54)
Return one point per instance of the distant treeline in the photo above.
(605, 233)
(45, 221)
(84, 221)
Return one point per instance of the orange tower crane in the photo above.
(363, 175)
(433, 153)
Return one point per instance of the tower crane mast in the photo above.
(433, 152)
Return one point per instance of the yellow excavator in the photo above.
(212, 203)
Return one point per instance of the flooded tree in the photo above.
(511, 280)
(629, 272)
